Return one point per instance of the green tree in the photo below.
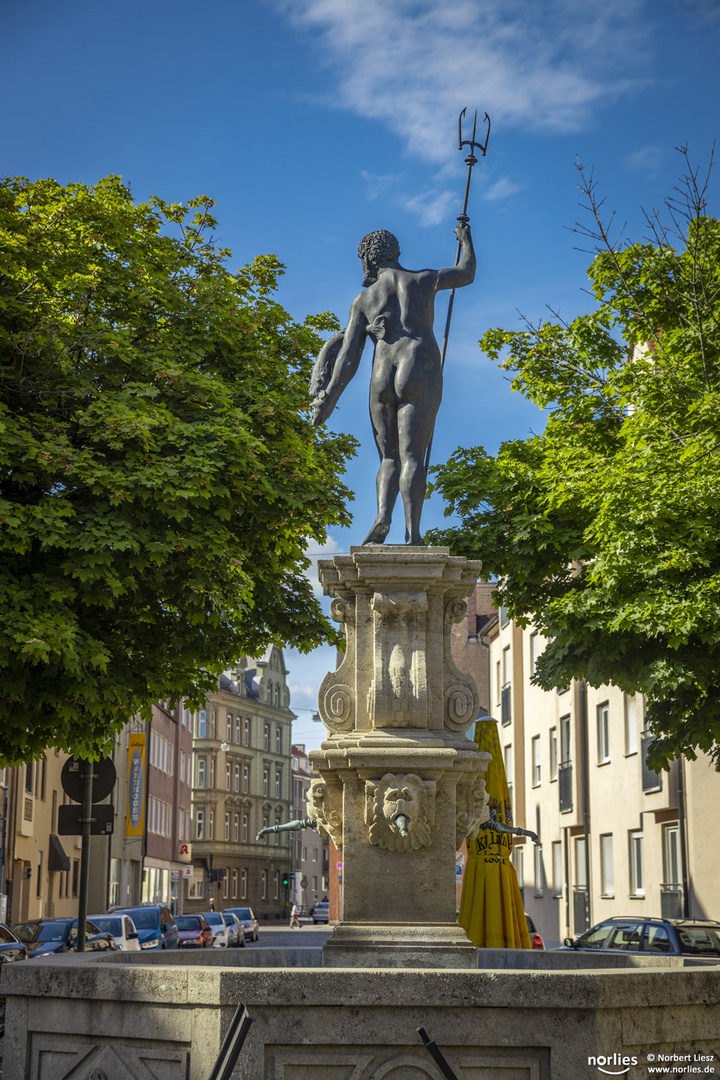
(159, 474)
(605, 529)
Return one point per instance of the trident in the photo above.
(463, 218)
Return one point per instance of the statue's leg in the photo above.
(416, 421)
(383, 413)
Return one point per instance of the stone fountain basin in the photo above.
(163, 1016)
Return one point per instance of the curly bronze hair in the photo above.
(379, 247)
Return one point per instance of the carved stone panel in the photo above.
(400, 811)
(462, 701)
(398, 692)
(471, 807)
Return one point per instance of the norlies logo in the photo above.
(615, 1059)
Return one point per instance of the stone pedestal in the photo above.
(400, 785)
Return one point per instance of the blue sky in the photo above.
(313, 122)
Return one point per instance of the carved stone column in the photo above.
(400, 785)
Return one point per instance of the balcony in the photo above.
(651, 781)
(505, 705)
(565, 792)
(671, 901)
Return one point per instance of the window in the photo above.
(263, 885)
(631, 725)
(182, 767)
(277, 697)
(234, 884)
(243, 884)
(607, 875)
(196, 886)
(278, 782)
(245, 828)
(266, 781)
(580, 863)
(314, 854)
(508, 759)
(247, 730)
(535, 651)
(228, 774)
(227, 826)
(236, 829)
(225, 883)
(553, 756)
(246, 779)
(266, 822)
(539, 871)
(199, 824)
(637, 876)
(671, 854)
(557, 865)
(211, 825)
(498, 683)
(237, 730)
(237, 777)
(276, 884)
(201, 725)
(565, 745)
(278, 738)
(506, 665)
(29, 776)
(229, 728)
(603, 733)
(536, 760)
(212, 772)
(38, 884)
(266, 737)
(518, 857)
(114, 895)
(201, 772)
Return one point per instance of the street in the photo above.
(279, 935)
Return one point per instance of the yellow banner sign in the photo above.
(135, 818)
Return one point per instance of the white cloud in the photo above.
(376, 185)
(501, 189)
(431, 206)
(410, 63)
(646, 160)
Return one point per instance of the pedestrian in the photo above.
(294, 920)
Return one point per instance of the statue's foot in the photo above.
(378, 532)
(415, 541)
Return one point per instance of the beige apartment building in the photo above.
(242, 784)
(615, 837)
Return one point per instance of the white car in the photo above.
(121, 927)
(220, 929)
(236, 930)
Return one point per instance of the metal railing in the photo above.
(565, 781)
(671, 900)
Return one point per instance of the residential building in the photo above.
(616, 838)
(242, 784)
(150, 848)
(310, 851)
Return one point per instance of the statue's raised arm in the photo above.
(396, 310)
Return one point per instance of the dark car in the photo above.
(45, 936)
(11, 948)
(155, 925)
(194, 932)
(699, 938)
(246, 916)
(535, 938)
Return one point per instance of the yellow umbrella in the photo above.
(491, 907)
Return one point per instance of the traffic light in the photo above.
(286, 879)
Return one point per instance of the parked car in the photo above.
(121, 927)
(154, 923)
(11, 948)
(535, 938)
(45, 936)
(699, 938)
(321, 912)
(194, 932)
(236, 930)
(220, 929)
(246, 915)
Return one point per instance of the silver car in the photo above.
(246, 915)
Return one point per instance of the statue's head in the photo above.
(375, 250)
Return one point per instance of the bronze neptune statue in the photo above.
(396, 310)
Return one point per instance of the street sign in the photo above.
(303, 883)
(72, 778)
(339, 866)
(70, 820)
